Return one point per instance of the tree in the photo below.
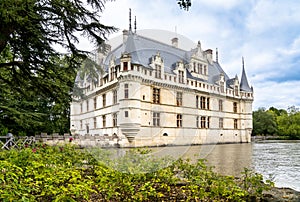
(185, 4)
(35, 87)
(289, 123)
(30, 28)
(264, 122)
(34, 111)
(32, 78)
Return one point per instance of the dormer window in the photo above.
(222, 86)
(125, 66)
(112, 73)
(158, 71)
(199, 68)
(205, 69)
(236, 90)
(180, 76)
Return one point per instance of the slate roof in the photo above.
(142, 49)
(244, 85)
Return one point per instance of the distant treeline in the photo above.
(277, 122)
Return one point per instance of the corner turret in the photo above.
(244, 85)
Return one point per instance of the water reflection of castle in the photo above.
(227, 159)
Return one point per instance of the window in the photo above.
(197, 122)
(126, 91)
(156, 119)
(115, 119)
(205, 69)
(156, 95)
(236, 90)
(179, 98)
(95, 103)
(95, 122)
(125, 66)
(221, 123)
(179, 120)
(115, 97)
(203, 121)
(235, 107)
(197, 101)
(207, 103)
(87, 105)
(222, 86)
(81, 109)
(180, 76)
(208, 122)
(87, 128)
(200, 68)
(112, 73)
(194, 65)
(126, 114)
(157, 71)
(235, 124)
(220, 105)
(81, 124)
(104, 100)
(103, 121)
(202, 102)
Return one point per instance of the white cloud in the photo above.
(218, 4)
(271, 14)
(279, 95)
(266, 33)
(293, 49)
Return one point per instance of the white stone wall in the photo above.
(140, 108)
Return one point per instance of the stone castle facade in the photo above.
(154, 94)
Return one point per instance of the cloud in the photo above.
(273, 14)
(217, 4)
(265, 33)
(279, 95)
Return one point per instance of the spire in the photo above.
(244, 86)
(135, 24)
(130, 20)
(217, 55)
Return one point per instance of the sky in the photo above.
(265, 32)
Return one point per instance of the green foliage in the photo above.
(264, 122)
(185, 4)
(285, 123)
(27, 110)
(66, 173)
(36, 80)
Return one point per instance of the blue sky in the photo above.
(265, 32)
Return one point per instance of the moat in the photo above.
(275, 160)
(278, 161)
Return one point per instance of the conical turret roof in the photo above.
(244, 85)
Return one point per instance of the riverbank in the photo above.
(270, 137)
(276, 194)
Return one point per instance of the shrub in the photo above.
(67, 173)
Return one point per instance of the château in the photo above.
(153, 93)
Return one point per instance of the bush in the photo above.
(66, 173)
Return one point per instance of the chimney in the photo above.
(208, 54)
(175, 42)
(125, 35)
